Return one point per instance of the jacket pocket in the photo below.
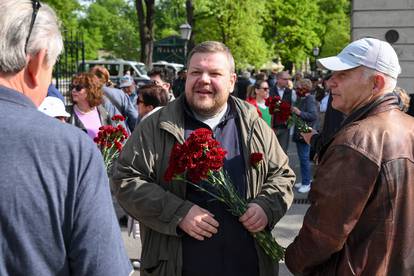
(157, 257)
(157, 269)
(154, 248)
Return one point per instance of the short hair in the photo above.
(164, 76)
(93, 86)
(102, 73)
(390, 82)
(261, 76)
(154, 95)
(212, 47)
(15, 18)
(282, 73)
(258, 83)
(307, 83)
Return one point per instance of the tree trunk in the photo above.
(150, 31)
(190, 19)
(146, 12)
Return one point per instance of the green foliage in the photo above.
(292, 28)
(335, 15)
(66, 12)
(256, 31)
(169, 15)
(111, 25)
(238, 24)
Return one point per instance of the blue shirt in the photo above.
(56, 212)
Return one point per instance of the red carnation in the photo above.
(118, 118)
(255, 159)
(109, 140)
(197, 157)
(200, 157)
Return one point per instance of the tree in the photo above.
(292, 28)
(146, 11)
(238, 24)
(189, 7)
(119, 38)
(66, 12)
(335, 15)
(169, 14)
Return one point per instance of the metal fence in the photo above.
(70, 62)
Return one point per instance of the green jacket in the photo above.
(159, 206)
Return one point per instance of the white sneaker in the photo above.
(297, 185)
(136, 264)
(304, 189)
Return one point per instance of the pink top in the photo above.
(90, 120)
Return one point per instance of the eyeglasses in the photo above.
(77, 87)
(265, 88)
(36, 6)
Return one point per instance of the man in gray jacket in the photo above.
(118, 98)
(183, 231)
(56, 214)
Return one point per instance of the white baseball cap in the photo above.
(370, 52)
(126, 81)
(53, 107)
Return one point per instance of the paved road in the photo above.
(285, 231)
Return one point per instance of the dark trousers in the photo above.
(283, 137)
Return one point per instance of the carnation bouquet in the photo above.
(110, 140)
(283, 113)
(199, 158)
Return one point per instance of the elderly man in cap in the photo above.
(56, 214)
(127, 84)
(361, 217)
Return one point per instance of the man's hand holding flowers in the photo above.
(199, 223)
(254, 219)
(199, 158)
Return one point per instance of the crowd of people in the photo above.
(60, 212)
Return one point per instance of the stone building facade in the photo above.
(392, 21)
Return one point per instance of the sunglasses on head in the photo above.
(77, 87)
(36, 6)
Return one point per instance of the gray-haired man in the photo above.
(55, 206)
(361, 217)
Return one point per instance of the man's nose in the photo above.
(205, 77)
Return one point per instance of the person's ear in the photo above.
(34, 68)
(378, 83)
(233, 79)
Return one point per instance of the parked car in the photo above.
(170, 67)
(118, 67)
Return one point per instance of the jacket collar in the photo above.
(384, 103)
(16, 97)
(172, 116)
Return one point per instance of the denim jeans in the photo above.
(303, 152)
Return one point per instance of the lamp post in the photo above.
(185, 31)
(315, 53)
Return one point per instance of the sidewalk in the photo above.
(285, 231)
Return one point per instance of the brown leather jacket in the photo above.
(361, 218)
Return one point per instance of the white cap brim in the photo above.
(336, 63)
(64, 114)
